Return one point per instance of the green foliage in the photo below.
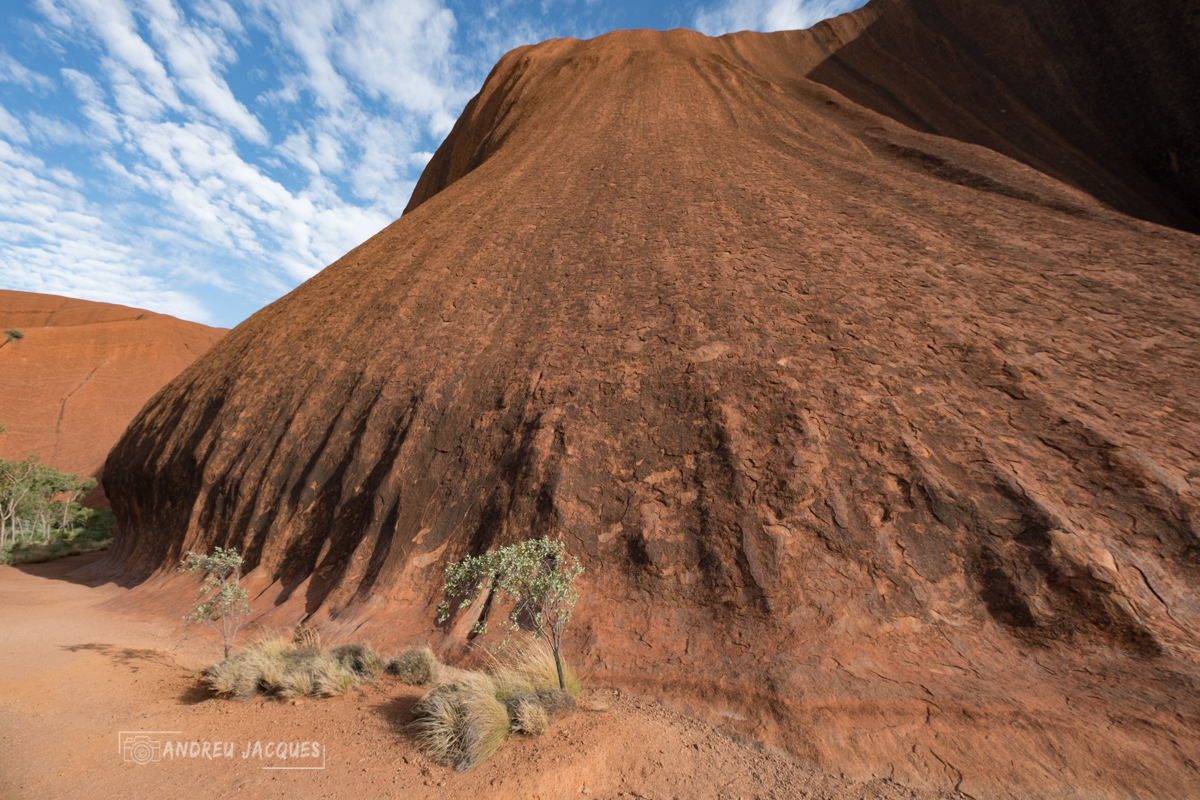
(537, 574)
(91, 531)
(224, 604)
(40, 516)
(13, 333)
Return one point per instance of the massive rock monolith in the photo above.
(878, 445)
(80, 371)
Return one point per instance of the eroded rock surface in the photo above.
(878, 445)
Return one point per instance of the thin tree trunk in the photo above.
(67, 509)
(562, 684)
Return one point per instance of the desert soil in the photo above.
(74, 674)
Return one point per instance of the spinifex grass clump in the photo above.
(286, 667)
(467, 715)
(460, 721)
(360, 659)
(416, 666)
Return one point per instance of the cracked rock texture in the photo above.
(879, 446)
(82, 371)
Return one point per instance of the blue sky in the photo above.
(203, 158)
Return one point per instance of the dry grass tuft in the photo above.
(307, 639)
(416, 666)
(466, 716)
(528, 715)
(487, 726)
(460, 722)
(293, 666)
(298, 683)
(331, 676)
(557, 703)
(527, 665)
(361, 659)
(236, 678)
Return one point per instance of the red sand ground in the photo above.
(74, 674)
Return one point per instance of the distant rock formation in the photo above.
(877, 444)
(80, 372)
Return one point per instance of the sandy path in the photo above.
(73, 675)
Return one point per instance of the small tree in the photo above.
(16, 484)
(71, 488)
(224, 604)
(11, 334)
(539, 576)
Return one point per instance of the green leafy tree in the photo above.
(16, 485)
(71, 488)
(537, 574)
(11, 334)
(224, 604)
(40, 517)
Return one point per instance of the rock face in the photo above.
(878, 444)
(1100, 95)
(81, 372)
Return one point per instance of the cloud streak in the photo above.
(768, 15)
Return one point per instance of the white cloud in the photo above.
(131, 58)
(53, 241)
(221, 14)
(12, 71)
(53, 130)
(307, 27)
(768, 15)
(95, 109)
(196, 55)
(402, 51)
(11, 128)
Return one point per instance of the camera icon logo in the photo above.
(142, 749)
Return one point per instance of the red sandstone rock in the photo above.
(81, 373)
(877, 444)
